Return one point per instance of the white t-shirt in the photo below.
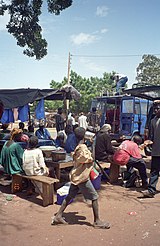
(33, 162)
(82, 121)
(71, 120)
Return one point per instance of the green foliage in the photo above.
(23, 23)
(55, 6)
(55, 85)
(54, 104)
(148, 71)
(88, 87)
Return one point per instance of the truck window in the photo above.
(127, 106)
(137, 108)
(144, 107)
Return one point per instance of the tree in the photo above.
(89, 88)
(23, 23)
(148, 71)
(54, 104)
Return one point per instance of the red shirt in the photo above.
(132, 148)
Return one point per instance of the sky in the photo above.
(101, 36)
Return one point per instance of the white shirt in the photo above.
(82, 121)
(33, 162)
(71, 120)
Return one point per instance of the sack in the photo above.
(126, 175)
(94, 174)
(121, 157)
(132, 179)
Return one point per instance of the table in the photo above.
(58, 165)
(69, 163)
(41, 142)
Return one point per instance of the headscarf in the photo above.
(106, 128)
(15, 132)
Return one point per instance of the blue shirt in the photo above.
(43, 134)
(71, 143)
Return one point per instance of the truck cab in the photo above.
(151, 93)
(133, 116)
(126, 114)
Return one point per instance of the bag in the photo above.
(121, 157)
(94, 174)
(132, 179)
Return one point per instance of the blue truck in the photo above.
(126, 114)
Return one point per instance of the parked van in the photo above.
(126, 114)
(151, 93)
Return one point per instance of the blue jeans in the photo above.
(139, 164)
(121, 83)
(154, 174)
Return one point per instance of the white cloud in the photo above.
(83, 38)
(4, 21)
(102, 11)
(104, 30)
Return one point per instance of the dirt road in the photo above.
(23, 220)
(134, 221)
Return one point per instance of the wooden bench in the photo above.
(47, 192)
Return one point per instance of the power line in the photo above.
(107, 56)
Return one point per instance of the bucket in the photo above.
(62, 193)
(97, 182)
(60, 199)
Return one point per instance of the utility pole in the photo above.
(69, 67)
(68, 83)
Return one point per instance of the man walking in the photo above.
(155, 162)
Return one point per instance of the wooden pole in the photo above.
(69, 67)
(68, 82)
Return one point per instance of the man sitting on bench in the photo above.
(103, 146)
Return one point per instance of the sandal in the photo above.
(58, 221)
(101, 225)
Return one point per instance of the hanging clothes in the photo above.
(7, 116)
(23, 113)
(40, 113)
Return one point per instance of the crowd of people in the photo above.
(71, 137)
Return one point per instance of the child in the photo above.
(33, 161)
(79, 176)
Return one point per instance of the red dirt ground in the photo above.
(24, 221)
